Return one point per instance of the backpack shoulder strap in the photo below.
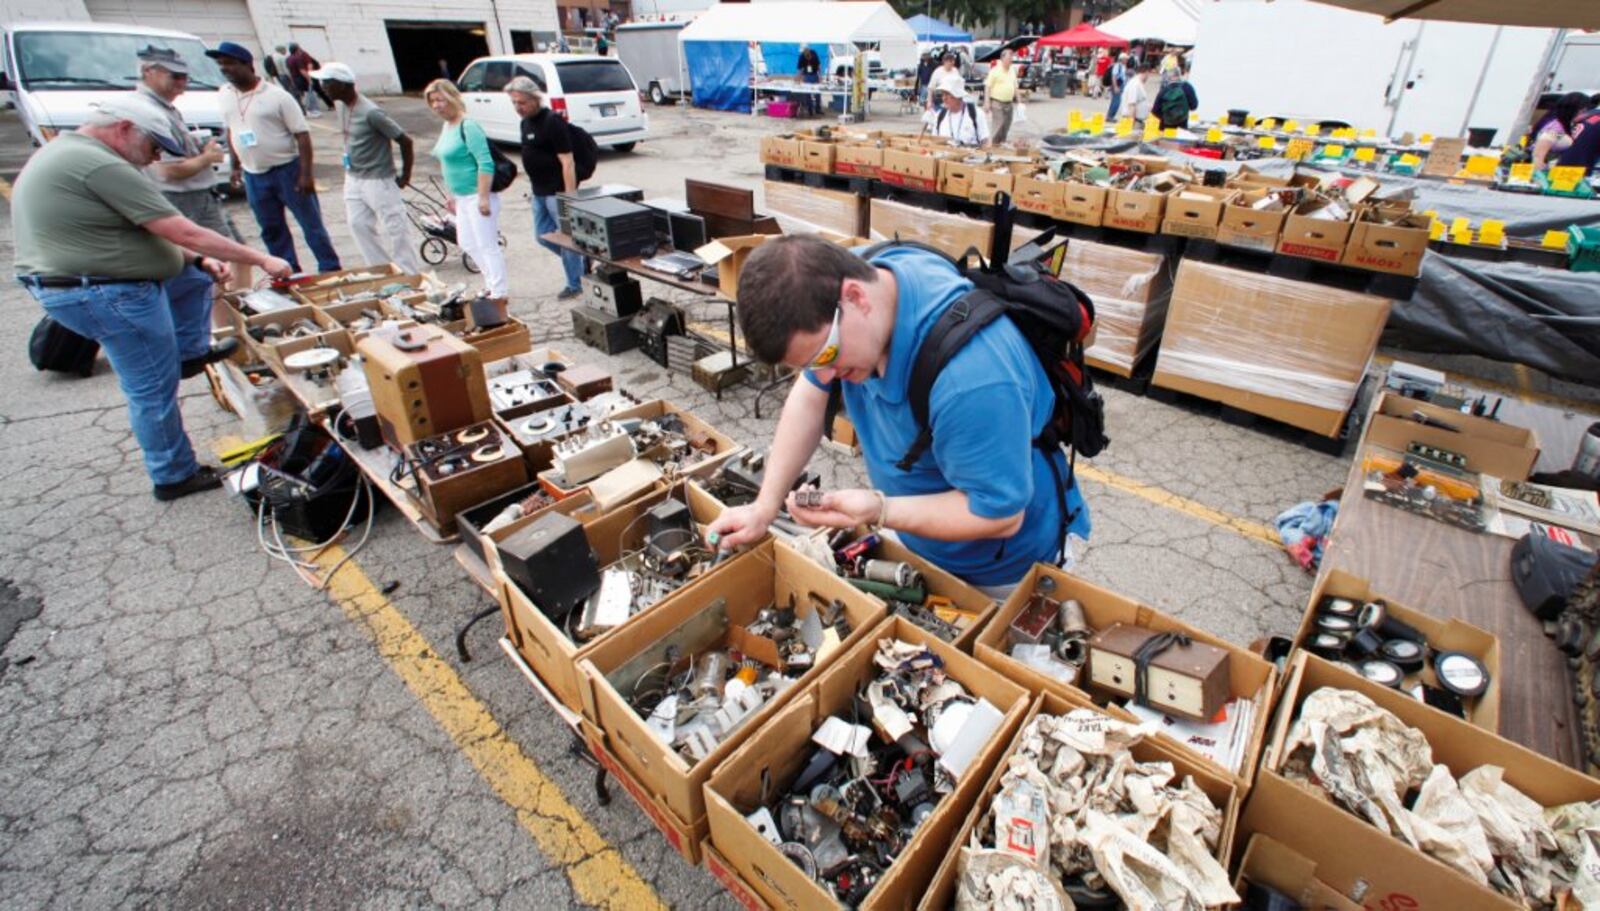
(972, 115)
(950, 333)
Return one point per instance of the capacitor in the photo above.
(1069, 616)
(1461, 673)
(858, 548)
(709, 678)
(1383, 673)
(894, 572)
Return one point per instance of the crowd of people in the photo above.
(1568, 135)
(122, 240)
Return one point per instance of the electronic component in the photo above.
(1165, 671)
(551, 561)
(460, 469)
(584, 194)
(609, 607)
(1403, 653)
(604, 332)
(424, 381)
(319, 365)
(1545, 573)
(658, 321)
(545, 426)
(523, 392)
(585, 381)
(593, 451)
(622, 298)
(1461, 673)
(1435, 454)
(669, 528)
(611, 228)
(1381, 672)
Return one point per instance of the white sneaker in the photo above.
(313, 114)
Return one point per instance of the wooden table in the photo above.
(1450, 572)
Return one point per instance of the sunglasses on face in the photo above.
(829, 352)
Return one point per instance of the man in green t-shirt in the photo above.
(95, 239)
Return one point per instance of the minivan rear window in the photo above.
(597, 76)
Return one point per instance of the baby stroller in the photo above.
(428, 210)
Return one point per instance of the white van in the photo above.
(596, 93)
(54, 71)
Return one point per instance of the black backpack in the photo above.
(505, 173)
(55, 347)
(585, 152)
(1055, 317)
(1172, 105)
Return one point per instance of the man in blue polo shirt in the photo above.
(982, 502)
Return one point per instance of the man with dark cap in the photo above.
(271, 157)
(96, 240)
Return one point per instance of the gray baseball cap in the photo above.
(166, 58)
(142, 113)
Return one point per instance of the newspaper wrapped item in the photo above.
(1001, 881)
(1113, 822)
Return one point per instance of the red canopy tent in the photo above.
(1082, 35)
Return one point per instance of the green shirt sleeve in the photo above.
(379, 120)
(131, 194)
(478, 145)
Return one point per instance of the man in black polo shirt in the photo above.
(547, 157)
(1585, 148)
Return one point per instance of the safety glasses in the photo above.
(829, 352)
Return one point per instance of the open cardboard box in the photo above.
(916, 168)
(508, 339)
(1243, 225)
(1309, 237)
(858, 159)
(1271, 863)
(955, 176)
(1248, 674)
(544, 643)
(1083, 203)
(325, 288)
(728, 255)
(1442, 635)
(783, 151)
(816, 156)
(1388, 239)
(1133, 210)
(1368, 866)
(723, 872)
(780, 748)
(696, 620)
(1196, 211)
(283, 319)
(652, 410)
(1223, 791)
(939, 582)
(1033, 193)
(991, 180)
(1491, 447)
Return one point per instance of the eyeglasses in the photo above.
(829, 353)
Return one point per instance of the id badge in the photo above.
(347, 161)
(247, 138)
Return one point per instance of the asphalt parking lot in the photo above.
(184, 723)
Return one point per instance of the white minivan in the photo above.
(596, 93)
(54, 71)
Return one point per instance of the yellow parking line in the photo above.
(1246, 527)
(601, 877)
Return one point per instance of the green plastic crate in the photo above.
(1581, 191)
(1583, 246)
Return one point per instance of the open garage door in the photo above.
(212, 20)
(420, 46)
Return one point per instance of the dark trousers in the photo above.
(272, 191)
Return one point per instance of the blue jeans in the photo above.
(133, 322)
(1116, 102)
(273, 190)
(190, 294)
(547, 219)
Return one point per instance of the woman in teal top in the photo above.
(463, 153)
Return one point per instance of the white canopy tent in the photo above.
(815, 23)
(1168, 21)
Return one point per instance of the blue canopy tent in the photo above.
(716, 45)
(931, 29)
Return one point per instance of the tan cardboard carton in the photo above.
(1224, 793)
(1442, 635)
(1130, 290)
(1249, 676)
(1307, 236)
(1271, 863)
(1291, 351)
(915, 168)
(954, 234)
(783, 151)
(989, 182)
(858, 160)
(1386, 240)
(1132, 210)
(728, 255)
(1196, 211)
(1369, 866)
(768, 574)
(1245, 225)
(816, 156)
(780, 748)
(955, 177)
(1033, 194)
(817, 208)
(1491, 447)
(1083, 203)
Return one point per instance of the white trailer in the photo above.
(651, 52)
(1311, 61)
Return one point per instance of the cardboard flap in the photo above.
(723, 247)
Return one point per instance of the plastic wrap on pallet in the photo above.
(953, 234)
(1121, 338)
(815, 208)
(1130, 289)
(1275, 337)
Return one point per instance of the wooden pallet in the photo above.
(1136, 381)
(846, 183)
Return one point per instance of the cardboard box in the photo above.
(313, 395)
(769, 573)
(1249, 676)
(267, 349)
(780, 748)
(1291, 351)
(1370, 867)
(1245, 226)
(1309, 237)
(1034, 194)
(728, 255)
(939, 582)
(1083, 204)
(1224, 794)
(1442, 635)
(1130, 290)
(817, 208)
(915, 169)
(725, 448)
(543, 643)
(989, 182)
(1491, 447)
(1271, 863)
(1385, 240)
(1196, 211)
(816, 156)
(858, 160)
(509, 339)
(723, 872)
(1134, 211)
(955, 177)
(685, 839)
(336, 287)
(954, 234)
(783, 151)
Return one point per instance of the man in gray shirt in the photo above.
(372, 201)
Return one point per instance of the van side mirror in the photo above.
(5, 81)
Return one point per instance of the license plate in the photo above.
(607, 110)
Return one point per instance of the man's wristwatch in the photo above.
(198, 262)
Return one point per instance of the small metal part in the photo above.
(1405, 654)
(1366, 642)
(1342, 607)
(801, 856)
(1371, 614)
(1332, 623)
(1381, 672)
(893, 572)
(1461, 673)
(709, 676)
(1327, 645)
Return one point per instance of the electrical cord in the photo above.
(281, 550)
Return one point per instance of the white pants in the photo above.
(479, 237)
(377, 217)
